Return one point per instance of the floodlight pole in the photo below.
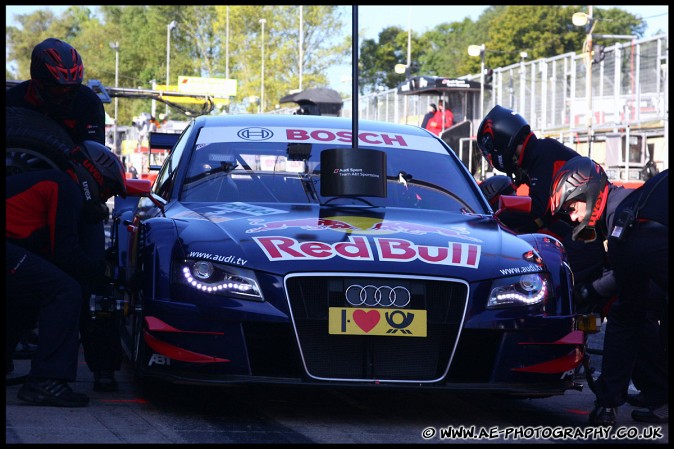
(262, 22)
(115, 46)
(169, 27)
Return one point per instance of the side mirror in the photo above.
(138, 187)
(512, 203)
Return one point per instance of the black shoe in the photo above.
(25, 350)
(12, 378)
(603, 416)
(637, 400)
(104, 380)
(54, 392)
(652, 414)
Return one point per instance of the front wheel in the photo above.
(139, 351)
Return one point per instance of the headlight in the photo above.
(523, 290)
(208, 277)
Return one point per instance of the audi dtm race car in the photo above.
(273, 248)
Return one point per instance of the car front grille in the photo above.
(372, 357)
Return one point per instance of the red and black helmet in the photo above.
(581, 179)
(101, 176)
(55, 62)
(103, 166)
(498, 135)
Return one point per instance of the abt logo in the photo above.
(159, 359)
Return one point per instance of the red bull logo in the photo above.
(360, 225)
(358, 248)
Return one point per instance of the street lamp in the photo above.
(301, 39)
(227, 46)
(407, 68)
(169, 27)
(115, 46)
(478, 50)
(262, 22)
(582, 19)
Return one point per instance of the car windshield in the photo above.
(276, 172)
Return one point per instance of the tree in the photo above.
(281, 44)
(20, 41)
(378, 59)
(505, 30)
(448, 44)
(197, 45)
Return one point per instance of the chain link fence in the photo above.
(622, 123)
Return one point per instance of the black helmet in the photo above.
(56, 62)
(498, 135)
(56, 70)
(101, 176)
(495, 186)
(581, 179)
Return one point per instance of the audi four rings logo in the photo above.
(371, 295)
(255, 133)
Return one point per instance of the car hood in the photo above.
(282, 239)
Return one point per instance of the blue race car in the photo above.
(270, 249)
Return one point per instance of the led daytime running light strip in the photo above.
(227, 284)
(512, 297)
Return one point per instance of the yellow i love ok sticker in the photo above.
(379, 321)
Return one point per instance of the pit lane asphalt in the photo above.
(131, 416)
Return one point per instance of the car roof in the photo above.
(326, 130)
(308, 121)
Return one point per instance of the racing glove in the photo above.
(588, 299)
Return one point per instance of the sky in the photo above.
(420, 18)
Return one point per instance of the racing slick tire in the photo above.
(139, 352)
(34, 142)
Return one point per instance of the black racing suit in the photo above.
(640, 257)
(83, 120)
(539, 160)
(45, 267)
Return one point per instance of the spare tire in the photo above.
(33, 141)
